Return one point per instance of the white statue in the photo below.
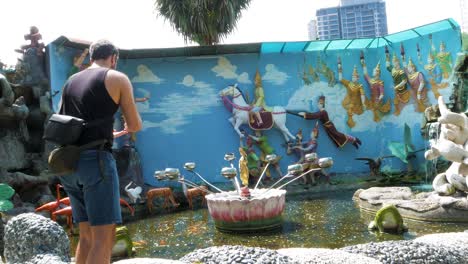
(133, 193)
(452, 144)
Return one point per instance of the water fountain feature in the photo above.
(245, 210)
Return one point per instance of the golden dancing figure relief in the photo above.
(402, 94)
(444, 59)
(376, 102)
(417, 85)
(355, 96)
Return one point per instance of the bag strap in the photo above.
(93, 144)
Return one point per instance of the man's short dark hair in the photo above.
(102, 49)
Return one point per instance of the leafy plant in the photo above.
(203, 21)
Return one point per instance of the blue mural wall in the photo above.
(185, 119)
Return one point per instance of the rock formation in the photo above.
(31, 238)
(24, 107)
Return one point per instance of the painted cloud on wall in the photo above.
(227, 70)
(274, 76)
(178, 108)
(189, 81)
(144, 74)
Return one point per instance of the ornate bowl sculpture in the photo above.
(232, 213)
(325, 162)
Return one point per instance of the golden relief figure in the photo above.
(355, 97)
(402, 94)
(444, 59)
(308, 74)
(417, 86)
(313, 74)
(376, 85)
(259, 104)
(434, 76)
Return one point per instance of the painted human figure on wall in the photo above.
(337, 137)
(434, 75)
(355, 99)
(301, 148)
(326, 72)
(259, 103)
(376, 103)
(309, 74)
(78, 63)
(243, 168)
(402, 94)
(444, 59)
(251, 161)
(266, 149)
(417, 86)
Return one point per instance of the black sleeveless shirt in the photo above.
(85, 96)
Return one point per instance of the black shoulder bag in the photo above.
(65, 131)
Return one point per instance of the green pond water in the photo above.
(329, 220)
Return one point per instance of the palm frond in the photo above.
(203, 21)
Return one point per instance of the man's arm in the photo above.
(123, 90)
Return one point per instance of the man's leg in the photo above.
(102, 242)
(84, 244)
(259, 118)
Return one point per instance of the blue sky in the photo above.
(134, 24)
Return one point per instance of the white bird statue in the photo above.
(133, 193)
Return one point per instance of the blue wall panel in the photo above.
(185, 120)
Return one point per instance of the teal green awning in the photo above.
(365, 43)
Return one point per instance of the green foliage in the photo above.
(465, 41)
(203, 21)
(6, 192)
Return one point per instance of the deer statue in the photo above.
(165, 192)
(194, 192)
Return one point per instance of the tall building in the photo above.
(328, 23)
(352, 19)
(464, 15)
(312, 28)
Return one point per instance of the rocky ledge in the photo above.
(423, 206)
(31, 238)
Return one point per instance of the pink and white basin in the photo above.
(263, 211)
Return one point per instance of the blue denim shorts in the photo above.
(94, 189)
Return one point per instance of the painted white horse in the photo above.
(240, 112)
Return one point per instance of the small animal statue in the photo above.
(133, 193)
(194, 192)
(67, 211)
(51, 207)
(165, 192)
(388, 220)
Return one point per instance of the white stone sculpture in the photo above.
(452, 144)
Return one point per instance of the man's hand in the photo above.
(302, 114)
(117, 134)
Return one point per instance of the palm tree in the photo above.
(203, 21)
